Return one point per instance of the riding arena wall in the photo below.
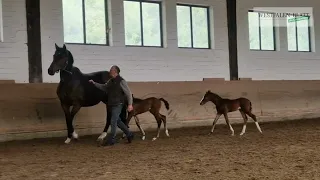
(30, 111)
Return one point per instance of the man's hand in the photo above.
(91, 81)
(130, 108)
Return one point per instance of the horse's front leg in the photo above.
(74, 111)
(105, 130)
(66, 110)
(140, 128)
(214, 123)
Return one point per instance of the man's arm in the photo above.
(127, 91)
(102, 87)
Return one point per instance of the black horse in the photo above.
(75, 90)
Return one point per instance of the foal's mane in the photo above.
(136, 99)
(214, 95)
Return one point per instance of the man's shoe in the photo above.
(109, 143)
(130, 138)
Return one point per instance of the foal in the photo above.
(224, 106)
(152, 105)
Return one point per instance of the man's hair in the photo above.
(117, 68)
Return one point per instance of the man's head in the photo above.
(114, 71)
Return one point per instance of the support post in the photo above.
(34, 41)
(232, 39)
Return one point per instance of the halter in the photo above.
(67, 63)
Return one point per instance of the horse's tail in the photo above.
(166, 103)
(250, 106)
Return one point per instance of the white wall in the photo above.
(141, 63)
(13, 47)
(281, 64)
(158, 64)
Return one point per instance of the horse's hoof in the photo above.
(167, 133)
(102, 136)
(241, 134)
(153, 139)
(143, 138)
(210, 133)
(75, 135)
(67, 141)
(232, 134)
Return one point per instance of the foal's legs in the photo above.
(164, 119)
(214, 122)
(159, 121)
(140, 128)
(245, 119)
(255, 120)
(228, 123)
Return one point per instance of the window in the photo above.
(298, 32)
(193, 26)
(85, 22)
(143, 23)
(261, 31)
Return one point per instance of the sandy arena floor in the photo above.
(286, 151)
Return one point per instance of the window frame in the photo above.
(296, 36)
(141, 23)
(107, 43)
(274, 31)
(208, 24)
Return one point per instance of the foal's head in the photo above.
(60, 60)
(206, 98)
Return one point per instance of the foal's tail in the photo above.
(166, 103)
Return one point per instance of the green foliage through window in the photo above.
(193, 26)
(298, 32)
(142, 22)
(261, 31)
(84, 21)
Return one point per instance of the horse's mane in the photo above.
(70, 58)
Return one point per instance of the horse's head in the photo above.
(60, 60)
(205, 98)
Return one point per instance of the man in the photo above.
(118, 93)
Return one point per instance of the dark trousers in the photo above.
(123, 114)
(116, 121)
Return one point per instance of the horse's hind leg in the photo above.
(140, 128)
(158, 118)
(228, 123)
(245, 120)
(255, 121)
(158, 130)
(164, 119)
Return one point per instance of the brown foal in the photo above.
(224, 106)
(153, 105)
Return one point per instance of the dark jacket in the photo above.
(117, 90)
